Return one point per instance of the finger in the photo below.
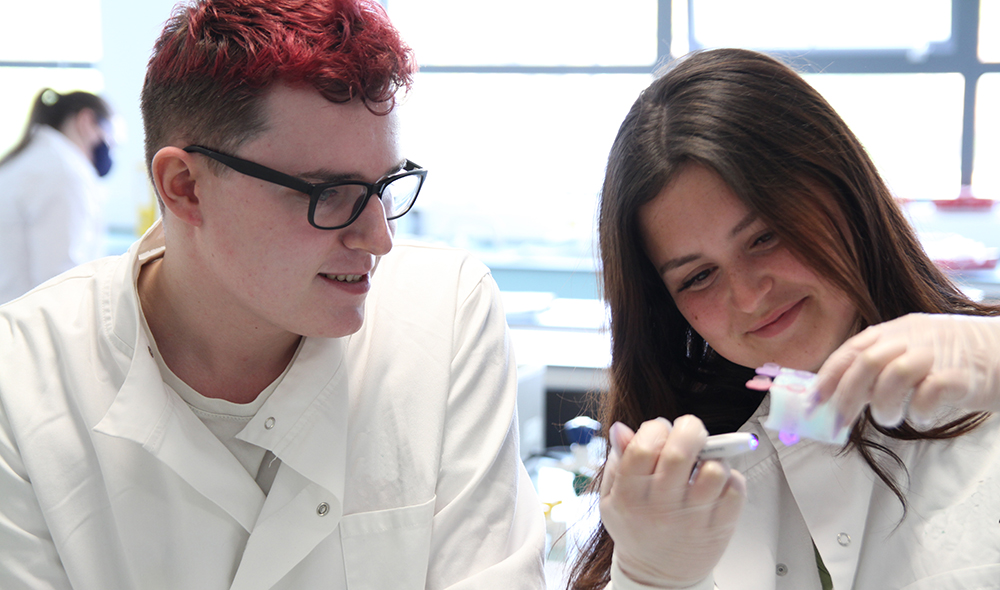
(837, 363)
(941, 388)
(609, 475)
(620, 436)
(856, 385)
(731, 500)
(708, 481)
(680, 453)
(643, 450)
(897, 383)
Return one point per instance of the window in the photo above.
(989, 24)
(899, 72)
(63, 58)
(517, 103)
(514, 111)
(986, 173)
(910, 124)
(23, 82)
(824, 24)
(528, 32)
(72, 32)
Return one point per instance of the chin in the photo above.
(345, 324)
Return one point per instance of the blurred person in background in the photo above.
(51, 202)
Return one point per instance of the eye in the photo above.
(766, 238)
(331, 193)
(696, 280)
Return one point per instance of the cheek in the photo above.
(267, 257)
(703, 313)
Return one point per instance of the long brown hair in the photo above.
(774, 140)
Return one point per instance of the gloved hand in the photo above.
(670, 525)
(915, 366)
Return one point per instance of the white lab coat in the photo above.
(949, 540)
(398, 447)
(51, 213)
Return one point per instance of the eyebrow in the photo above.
(682, 260)
(325, 175)
(743, 224)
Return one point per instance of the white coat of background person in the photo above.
(51, 201)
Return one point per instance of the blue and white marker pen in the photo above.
(720, 446)
(725, 446)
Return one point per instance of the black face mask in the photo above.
(102, 158)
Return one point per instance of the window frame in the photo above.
(957, 55)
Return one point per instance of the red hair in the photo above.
(216, 58)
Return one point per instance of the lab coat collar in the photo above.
(839, 508)
(145, 412)
(836, 518)
(124, 302)
(304, 421)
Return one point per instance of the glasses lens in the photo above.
(337, 204)
(398, 195)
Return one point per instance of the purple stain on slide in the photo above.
(789, 438)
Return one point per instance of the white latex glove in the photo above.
(914, 366)
(670, 526)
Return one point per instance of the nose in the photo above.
(371, 231)
(747, 287)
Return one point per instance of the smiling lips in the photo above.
(344, 278)
(778, 322)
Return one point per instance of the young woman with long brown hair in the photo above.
(742, 222)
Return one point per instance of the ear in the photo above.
(176, 176)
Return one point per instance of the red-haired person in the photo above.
(264, 392)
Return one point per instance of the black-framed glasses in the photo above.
(335, 205)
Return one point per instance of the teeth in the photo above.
(344, 278)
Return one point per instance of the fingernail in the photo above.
(738, 483)
(920, 421)
(838, 423)
(665, 421)
(614, 433)
(694, 473)
(887, 419)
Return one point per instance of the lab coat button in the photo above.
(781, 570)
(323, 509)
(269, 423)
(844, 539)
